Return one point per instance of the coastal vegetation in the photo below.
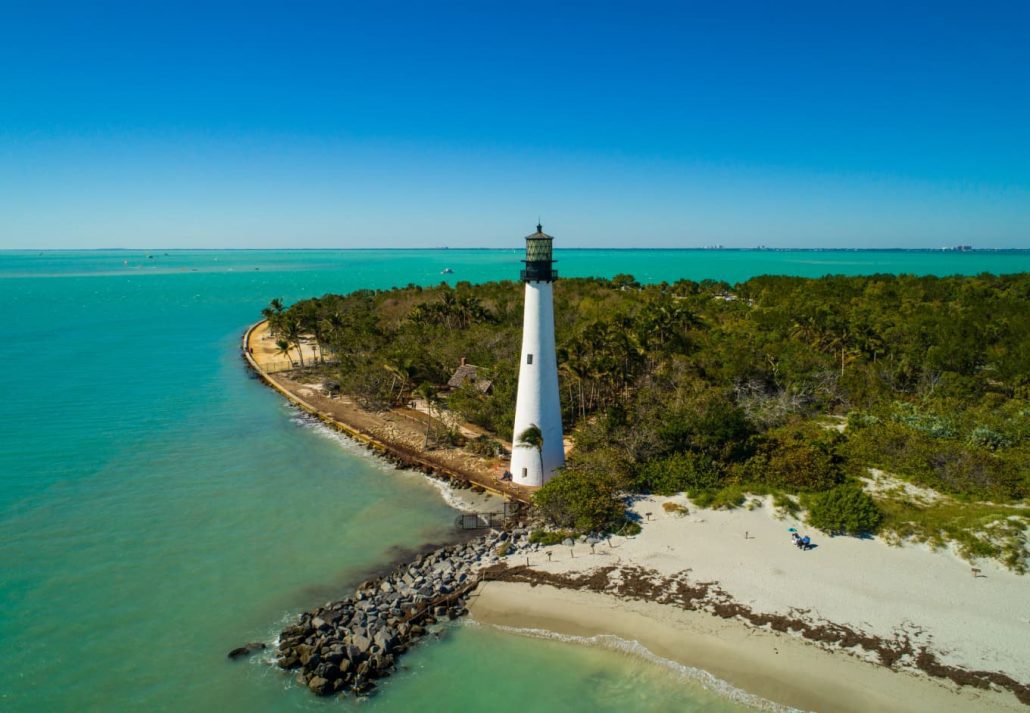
(791, 387)
(846, 510)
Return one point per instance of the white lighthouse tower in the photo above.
(537, 404)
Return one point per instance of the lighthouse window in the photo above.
(529, 358)
(525, 473)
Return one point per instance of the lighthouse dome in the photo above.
(539, 260)
(539, 234)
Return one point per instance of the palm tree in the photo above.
(402, 370)
(575, 367)
(284, 349)
(292, 332)
(427, 392)
(332, 328)
(470, 311)
(311, 323)
(274, 314)
(533, 437)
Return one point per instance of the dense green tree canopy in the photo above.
(699, 386)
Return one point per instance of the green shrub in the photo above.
(846, 509)
(948, 465)
(929, 423)
(728, 498)
(976, 529)
(861, 419)
(625, 280)
(786, 504)
(484, 446)
(586, 495)
(680, 472)
(985, 437)
(796, 458)
(453, 437)
(550, 537)
(494, 411)
(711, 424)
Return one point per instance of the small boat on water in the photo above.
(447, 271)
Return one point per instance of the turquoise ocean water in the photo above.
(158, 506)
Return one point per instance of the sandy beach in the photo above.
(927, 600)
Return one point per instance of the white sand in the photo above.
(975, 622)
(772, 667)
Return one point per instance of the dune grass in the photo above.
(977, 530)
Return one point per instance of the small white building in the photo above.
(538, 401)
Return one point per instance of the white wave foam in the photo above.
(453, 498)
(306, 420)
(635, 648)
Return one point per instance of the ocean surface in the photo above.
(158, 506)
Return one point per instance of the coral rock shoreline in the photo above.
(346, 645)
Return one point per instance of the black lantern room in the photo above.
(539, 265)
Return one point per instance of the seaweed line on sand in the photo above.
(641, 584)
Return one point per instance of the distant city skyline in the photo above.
(338, 125)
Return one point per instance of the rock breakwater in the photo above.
(344, 646)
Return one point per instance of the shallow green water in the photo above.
(159, 507)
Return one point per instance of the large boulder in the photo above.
(247, 649)
(320, 686)
(289, 661)
(335, 655)
(361, 643)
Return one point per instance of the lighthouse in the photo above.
(537, 447)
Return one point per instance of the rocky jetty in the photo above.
(344, 646)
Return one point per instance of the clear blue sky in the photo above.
(304, 124)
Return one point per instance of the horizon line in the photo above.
(757, 248)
